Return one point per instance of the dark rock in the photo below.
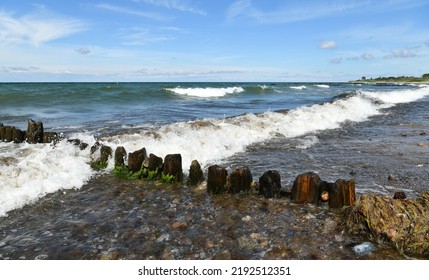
(6, 133)
(120, 154)
(136, 159)
(18, 135)
(155, 163)
(240, 180)
(391, 178)
(83, 145)
(305, 188)
(94, 147)
(195, 174)
(34, 132)
(270, 184)
(105, 153)
(399, 195)
(173, 166)
(1, 131)
(216, 179)
(102, 161)
(51, 137)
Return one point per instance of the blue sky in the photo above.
(195, 40)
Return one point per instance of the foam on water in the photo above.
(298, 87)
(206, 92)
(28, 172)
(323, 86)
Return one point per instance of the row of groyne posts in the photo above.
(307, 187)
(402, 222)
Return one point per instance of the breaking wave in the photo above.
(28, 172)
(205, 92)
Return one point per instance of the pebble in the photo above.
(364, 249)
(339, 238)
(310, 216)
(246, 218)
(163, 237)
(329, 226)
(179, 225)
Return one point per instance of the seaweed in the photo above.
(402, 222)
(167, 178)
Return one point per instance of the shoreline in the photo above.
(111, 218)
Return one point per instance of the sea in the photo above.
(376, 133)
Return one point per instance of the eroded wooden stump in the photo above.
(305, 189)
(216, 179)
(240, 180)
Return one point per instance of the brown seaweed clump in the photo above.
(401, 222)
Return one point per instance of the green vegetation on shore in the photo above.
(402, 79)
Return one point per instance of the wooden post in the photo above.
(173, 166)
(341, 193)
(240, 180)
(305, 188)
(135, 160)
(216, 179)
(270, 184)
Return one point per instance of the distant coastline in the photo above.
(400, 79)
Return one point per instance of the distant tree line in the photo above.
(403, 79)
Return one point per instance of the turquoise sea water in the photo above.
(110, 106)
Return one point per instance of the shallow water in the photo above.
(110, 218)
(115, 219)
(94, 215)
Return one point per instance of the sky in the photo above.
(196, 40)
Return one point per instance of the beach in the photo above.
(375, 135)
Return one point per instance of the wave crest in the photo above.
(205, 92)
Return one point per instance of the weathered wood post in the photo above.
(216, 179)
(305, 188)
(135, 160)
(173, 166)
(196, 175)
(34, 132)
(240, 180)
(270, 184)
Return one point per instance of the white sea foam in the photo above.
(264, 87)
(323, 86)
(298, 87)
(28, 172)
(399, 96)
(206, 92)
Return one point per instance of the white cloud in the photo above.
(175, 5)
(337, 60)
(83, 50)
(138, 36)
(328, 45)
(427, 43)
(127, 11)
(18, 69)
(401, 53)
(238, 8)
(367, 56)
(286, 14)
(36, 28)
